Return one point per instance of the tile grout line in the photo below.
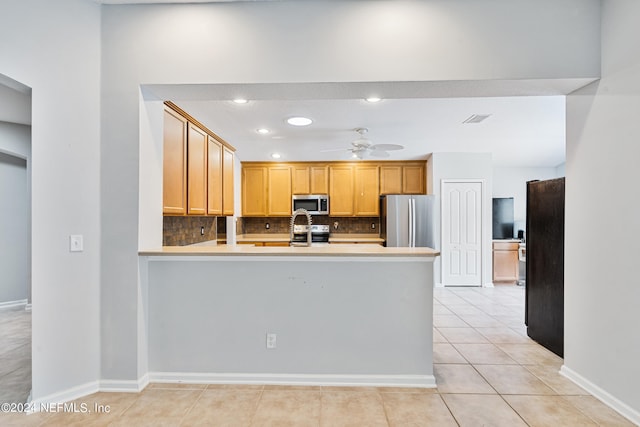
(255, 408)
(193, 404)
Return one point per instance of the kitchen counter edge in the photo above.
(354, 250)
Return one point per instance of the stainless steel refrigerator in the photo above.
(408, 221)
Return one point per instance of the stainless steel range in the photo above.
(319, 233)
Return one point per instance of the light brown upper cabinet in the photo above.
(319, 179)
(341, 190)
(197, 171)
(266, 190)
(367, 194)
(404, 178)
(174, 164)
(414, 180)
(221, 185)
(309, 179)
(279, 191)
(227, 181)
(300, 179)
(391, 179)
(254, 190)
(197, 167)
(214, 177)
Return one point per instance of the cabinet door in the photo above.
(197, 171)
(174, 164)
(319, 180)
(367, 197)
(254, 190)
(300, 178)
(214, 177)
(227, 181)
(279, 189)
(391, 179)
(505, 265)
(341, 190)
(414, 180)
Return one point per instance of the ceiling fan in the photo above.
(362, 146)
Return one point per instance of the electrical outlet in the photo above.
(202, 231)
(76, 243)
(335, 225)
(373, 225)
(267, 226)
(271, 341)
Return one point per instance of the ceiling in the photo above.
(526, 126)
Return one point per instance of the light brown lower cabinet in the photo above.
(264, 243)
(505, 261)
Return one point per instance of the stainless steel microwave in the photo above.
(315, 204)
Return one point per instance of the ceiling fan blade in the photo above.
(379, 153)
(386, 147)
(335, 149)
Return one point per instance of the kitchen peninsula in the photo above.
(320, 315)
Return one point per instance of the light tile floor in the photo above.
(15, 355)
(489, 373)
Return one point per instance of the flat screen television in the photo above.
(503, 217)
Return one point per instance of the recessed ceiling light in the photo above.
(263, 131)
(240, 101)
(275, 156)
(299, 121)
(373, 99)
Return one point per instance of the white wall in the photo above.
(602, 348)
(54, 48)
(512, 182)
(476, 166)
(15, 102)
(209, 319)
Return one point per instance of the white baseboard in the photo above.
(12, 304)
(52, 401)
(488, 285)
(41, 404)
(27, 307)
(125, 386)
(421, 381)
(602, 395)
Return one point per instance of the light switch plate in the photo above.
(76, 243)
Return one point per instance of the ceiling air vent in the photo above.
(476, 118)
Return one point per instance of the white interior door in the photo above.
(461, 233)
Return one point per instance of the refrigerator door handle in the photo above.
(413, 223)
(410, 222)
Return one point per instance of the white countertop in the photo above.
(354, 250)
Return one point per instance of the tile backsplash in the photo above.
(185, 230)
(345, 225)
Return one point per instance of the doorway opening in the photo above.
(15, 241)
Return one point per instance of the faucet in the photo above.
(293, 220)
